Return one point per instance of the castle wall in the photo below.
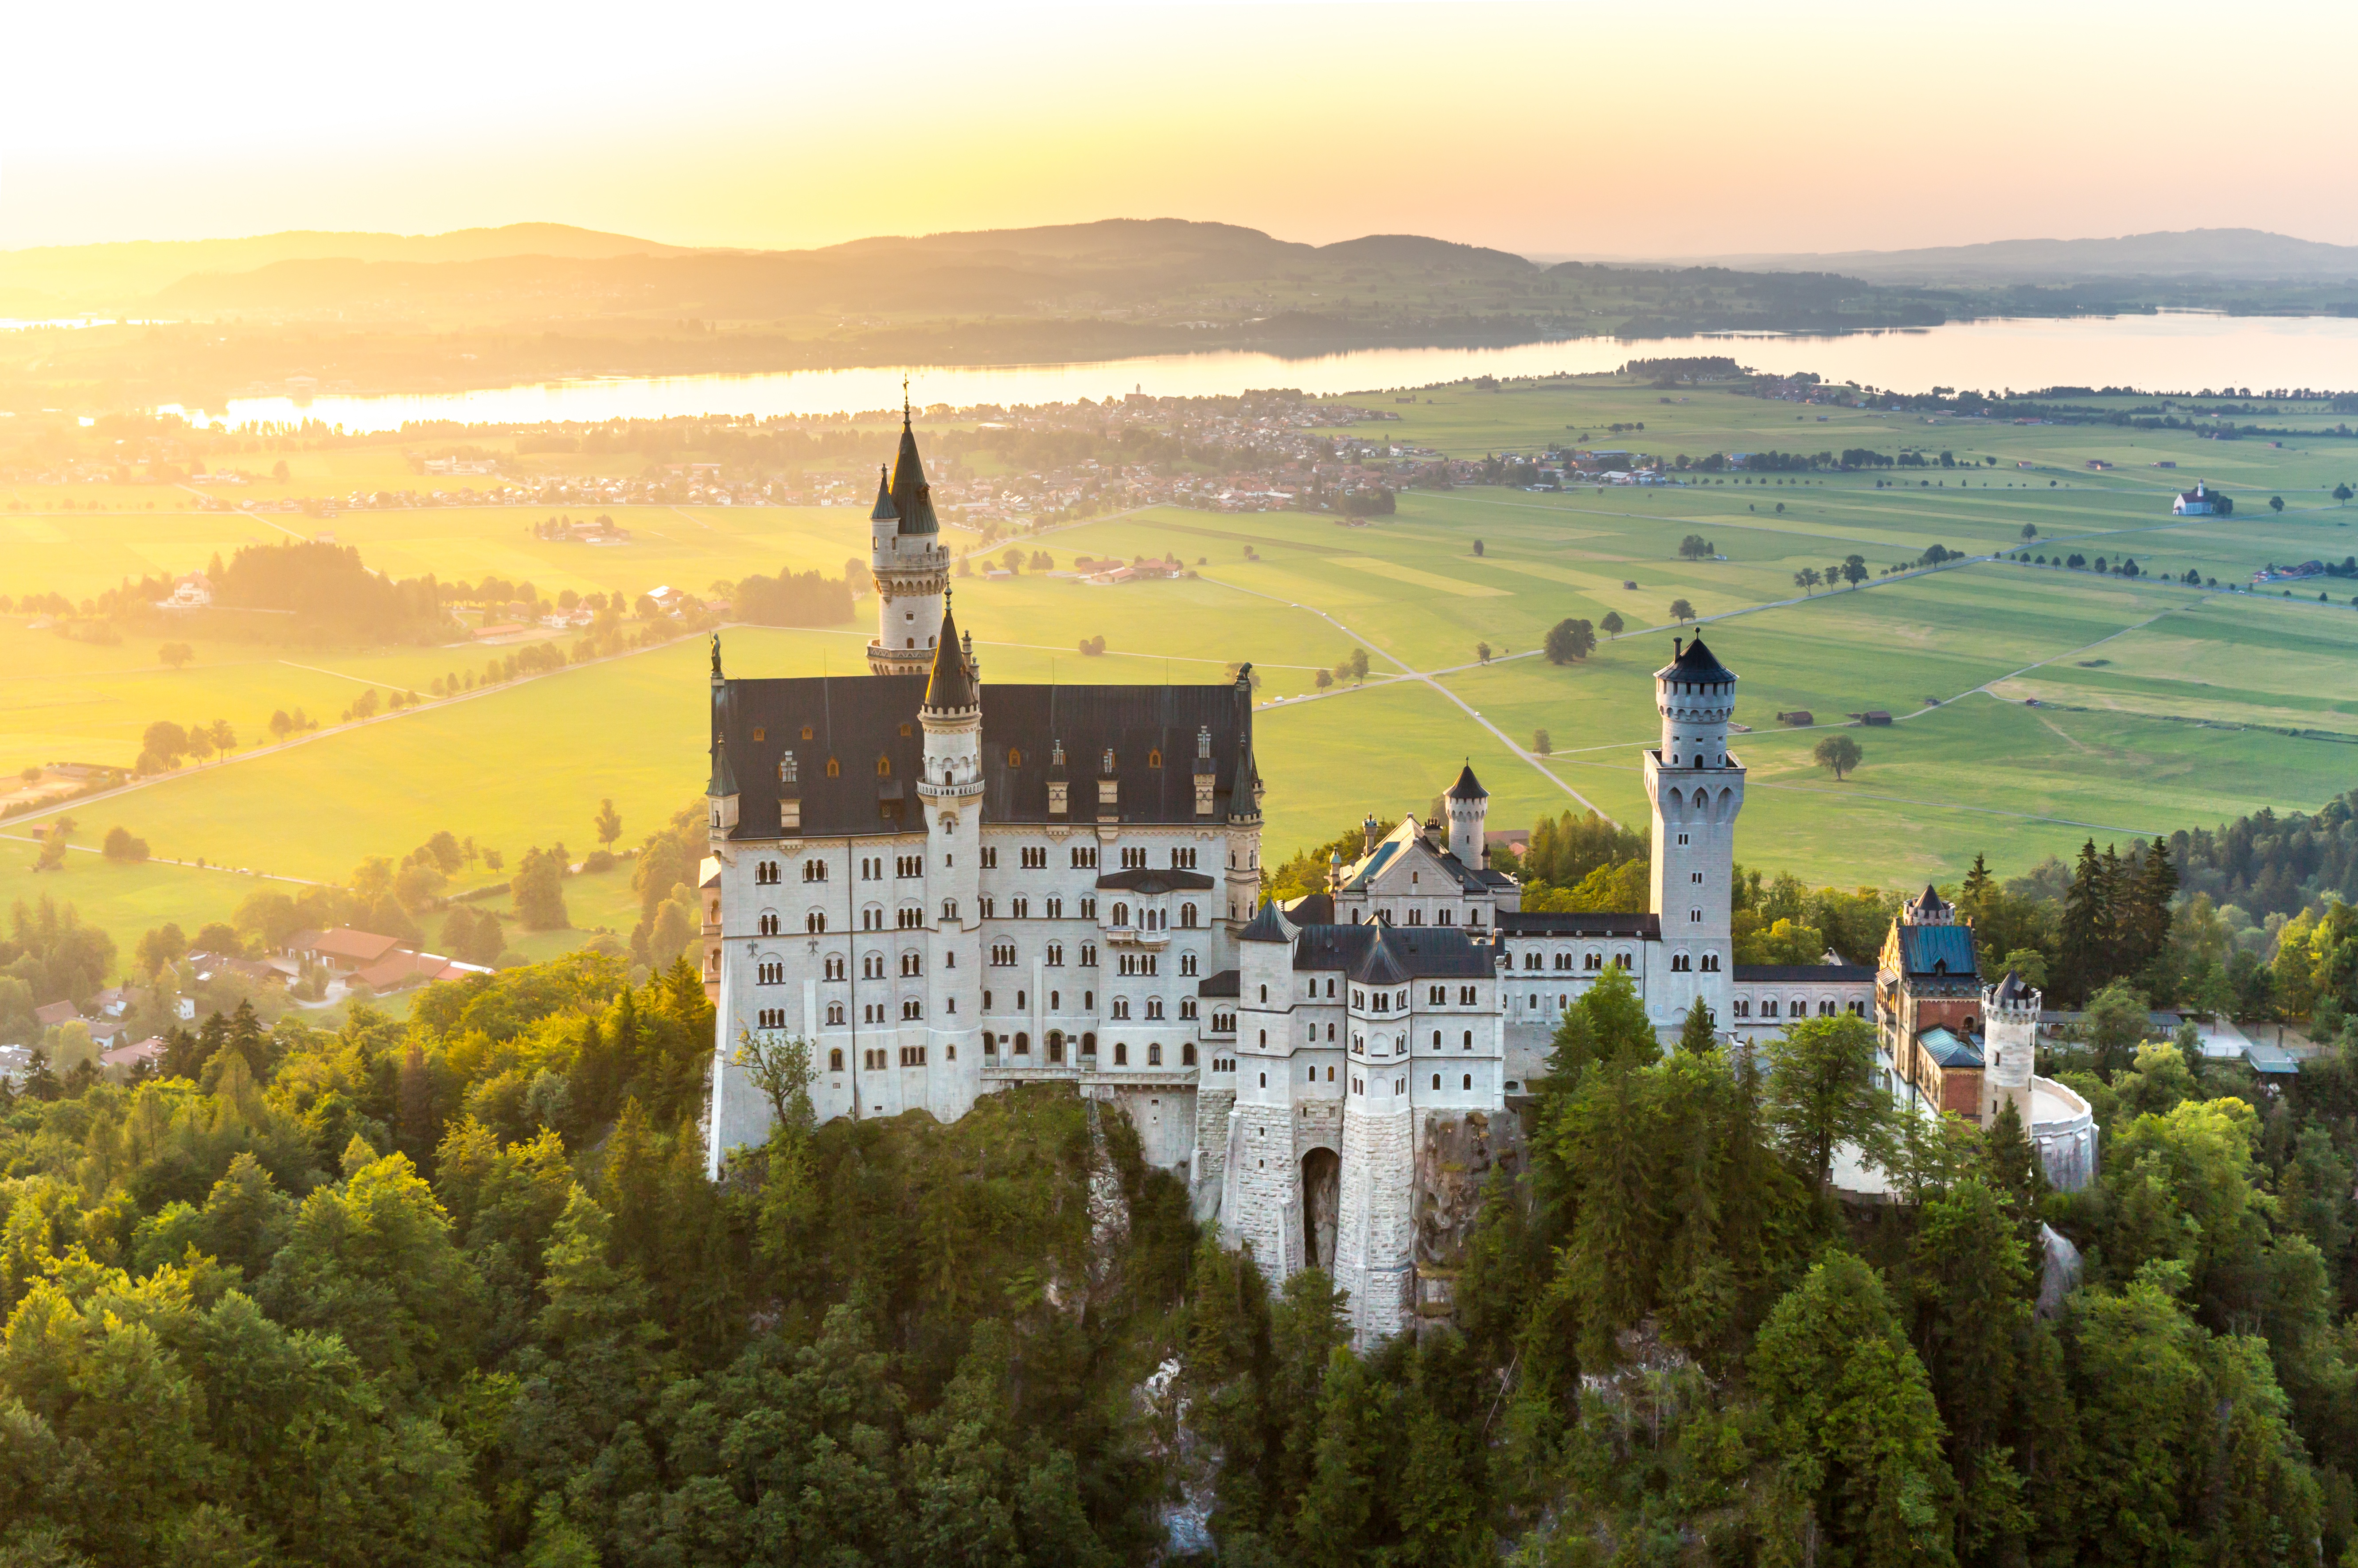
(1375, 1259)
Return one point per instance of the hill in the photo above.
(2243, 254)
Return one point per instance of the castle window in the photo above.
(786, 768)
(770, 924)
(1436, 1045)
(1154, 1007)
(1122, 1007)
(1088, 1044)
(989, 1043)
(1056, 1042)
(1681, 963)
(1621, 960)
(1767, 1007)
(807, 731)
(834, 768)
(814, 921)
(905, 730)
(1015, 758)
(1469, 1040)
(1022, 1044)
(1711, 963)
(760, 735)
(883, 767)
(1187, 916)
(1187, 1055)
(1436, 1080)
(1120, 1054)
(1743, 1008)
(835, 1060)
(1154, 760)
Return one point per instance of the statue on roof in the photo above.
(716, 657)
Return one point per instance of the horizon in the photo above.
(1761, 141)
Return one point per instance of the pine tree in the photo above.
(1971, 1278)
(2155, 885)
(1613, 1137)
(1696, 1036)
(2086, 929)
(2120, 889)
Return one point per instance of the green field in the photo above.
(2160, 706)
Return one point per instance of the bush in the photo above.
(122, 848)
(597, 860)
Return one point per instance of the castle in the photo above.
(945, 887)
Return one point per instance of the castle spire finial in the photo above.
(905, 401)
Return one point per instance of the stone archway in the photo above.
(1321, 1192)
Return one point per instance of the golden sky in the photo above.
(1684, 127)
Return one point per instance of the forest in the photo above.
(457, 1290)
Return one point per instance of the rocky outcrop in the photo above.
(1455, 1153)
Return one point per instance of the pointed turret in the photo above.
(884, 510)
(1467, 787)
(951, 687)
(912, 497)
(1244, 784)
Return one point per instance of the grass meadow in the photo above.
(2158, 706)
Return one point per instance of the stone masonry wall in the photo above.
(1374, 1245)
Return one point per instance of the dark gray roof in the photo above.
(1268, 926)
(1950, 1050)
(883, 512)
(1517, 922)
(1228, 982)
(857, 720)
(1696, 663)
(1415, 951)
(1467, 787)
(1310, 909)
(950, 687)
(1383, 965)
(1832, 974)
(912, 498)
(2013, 989)
(1148, 881)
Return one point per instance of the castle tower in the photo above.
(909, 563)
(1696, 788)
(1469, 807)
(949, 793)
(1927, 909)
(2009, 1047)
(1261, 1195)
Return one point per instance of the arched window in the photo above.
(1120, 1054)
(883, 766)
(1264, 1039)
(1187, 916)
(1154, 1053)
(1437, 1043)
(834, 768)
(1055, 1043)
(989, 1043)
(1264, 993)
(1436, 1080)
(1088, 1044)
(1187, 1053)
(835, 1060)
(1469, 1040)
(1469, 1080)
(1121, 914)
(949, 909)
(1122, 1007)
(814, 921)
(1022, 1044)
(1154, 757)
(1015, 758)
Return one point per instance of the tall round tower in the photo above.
(909, 563)
(2009, 1047)
(1469, 808)
(1696, 788)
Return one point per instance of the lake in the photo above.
(2181, 352)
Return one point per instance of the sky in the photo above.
(1679, 127)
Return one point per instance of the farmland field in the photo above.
(2160, 705)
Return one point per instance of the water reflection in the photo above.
(2183, 351)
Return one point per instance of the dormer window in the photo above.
(1154, 757)
(807, 731)
(786, 768)
(1015, 758)
(883, 767)
(834, 768)
(1105, 767)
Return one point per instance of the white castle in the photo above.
(945, 887)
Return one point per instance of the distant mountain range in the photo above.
(990, 270)
(523, 268)
(2243, 254)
